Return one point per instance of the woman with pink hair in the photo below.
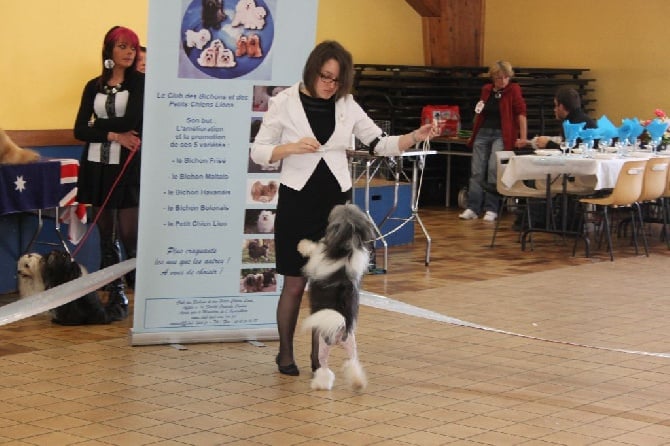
(109, 121)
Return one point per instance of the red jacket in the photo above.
(512, 105)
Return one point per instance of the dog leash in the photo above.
(104, 203)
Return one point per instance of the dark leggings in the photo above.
(121, 224)
(288, 309)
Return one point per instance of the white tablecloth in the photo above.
(603, 168)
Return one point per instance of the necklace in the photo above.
(111, 90)
(497, 94)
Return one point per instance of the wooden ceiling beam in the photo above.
(426, 8)
(453, 31)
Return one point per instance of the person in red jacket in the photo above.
(500, 124)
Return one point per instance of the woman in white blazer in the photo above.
(308, 128)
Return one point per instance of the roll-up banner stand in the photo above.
(206, 254)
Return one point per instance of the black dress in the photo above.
(104, 110)
(304, 213)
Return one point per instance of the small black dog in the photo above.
(212, 14)
(258, 250)
(59, 268)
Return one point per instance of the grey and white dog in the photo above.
(335, 267)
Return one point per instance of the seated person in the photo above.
(567, 105)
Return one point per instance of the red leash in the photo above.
(104, 203)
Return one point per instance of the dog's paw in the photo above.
(305, 247)
(323, 379)
(355, 375)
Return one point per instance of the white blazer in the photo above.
(286, 122)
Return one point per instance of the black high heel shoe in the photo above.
(290, 369)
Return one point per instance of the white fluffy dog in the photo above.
(207, 58)
(266, 222)
(225, 58)
(29, 274)
(249, 15)
(197, 39)
(335, 268)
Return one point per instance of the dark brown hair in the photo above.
(569, 98)
(322, 53)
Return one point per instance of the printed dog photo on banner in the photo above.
(262, 95)
(258, 250)
(226, 39)
(259, 221)
(262, 191)
(258, 280)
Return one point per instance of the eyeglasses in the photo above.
(327, 79)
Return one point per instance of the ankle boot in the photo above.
(110, 253)
(117, 303)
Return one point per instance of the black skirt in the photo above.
(304, 215)
(95, 181)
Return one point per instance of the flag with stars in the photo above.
(27, 187)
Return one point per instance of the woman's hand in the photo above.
(130, 139)
(303, 145)
(521, 143)
(306, 145)
(426, 131)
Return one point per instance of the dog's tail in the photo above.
(328, 323)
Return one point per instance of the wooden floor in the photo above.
(482, 347)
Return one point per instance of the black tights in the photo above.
(121, 224)
(288, 308)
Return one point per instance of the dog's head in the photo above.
(266, 221)
(207, 58)
(245, 5)
(59, 268)
(29, 271)
(261, 97)
(253, 282)
(348, 230)
(269, 278)
(217, 45)
(225, 58)
(254, 46)
(29, 266)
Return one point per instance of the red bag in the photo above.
(446, 117)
